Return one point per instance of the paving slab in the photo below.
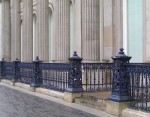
(17, 102)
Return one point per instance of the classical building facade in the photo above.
(53, 29)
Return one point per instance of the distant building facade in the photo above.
(53, 29)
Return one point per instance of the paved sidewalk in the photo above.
(17, 102)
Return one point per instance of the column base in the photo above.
(119, 98)
(35, 85)
(14, 80)
(74, 90)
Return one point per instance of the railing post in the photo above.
(121, 81)
(121, 93)
(37, 73)
(16, 71)
(75, 74)
(2, 68)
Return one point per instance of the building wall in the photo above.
(53, 29)
(135, 30)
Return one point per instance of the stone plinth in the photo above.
(116, 108)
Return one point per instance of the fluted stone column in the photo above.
(41, 43)
(77, 26)
(117, 25)
(108, 28)
(5, 40)
(102, 29)
(90, 30)
(146, 30)
(27, 30)
(15, 30)
(61, 24)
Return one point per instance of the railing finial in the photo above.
(37, 58)
(75, 56)
(17, 59)
(121, 51)
(75, 53)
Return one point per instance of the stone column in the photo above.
(90, 30)
(41, 43)
(101, 29)
(61, 19)
(108, 28)
(117, 25)
(77, 26)
(5, 40)
(27, 31)
(15, 30)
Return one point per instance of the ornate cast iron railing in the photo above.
(25, 73)
(55, 75)
(8, 70)
(140, 86)
(97, 76)
(71, 77)
(128, 82)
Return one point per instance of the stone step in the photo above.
(96, 100)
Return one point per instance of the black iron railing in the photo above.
(8, 70)
(128, 82)
(140, 86)
(25, 72)
(97, 76)
(55, 75)
(72, 76)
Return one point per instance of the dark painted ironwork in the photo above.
(2, 69)
(129, 82)
(75, 74)
(26, 72)
(9, 70)
(16, 71)
(37, 74)
(55, 75)
(121, 81)
(140, 86)
(97, 76)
